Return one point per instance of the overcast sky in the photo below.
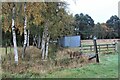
(99, 10)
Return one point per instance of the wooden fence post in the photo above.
(95, 44)
(99, 48)
(91, 48)
(107, 48)
(81, 48)
(116, 47)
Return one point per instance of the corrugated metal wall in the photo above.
(70, 41)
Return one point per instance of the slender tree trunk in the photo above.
(39, 41)
(43, 46)
(14, 37)
(10, 48)
(44, 38)
(34, 40)
(28, 39)
(6, 48)
(25, 33)
(47, 44)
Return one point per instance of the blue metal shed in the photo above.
(70, 41)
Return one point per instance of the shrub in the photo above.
(64, 62)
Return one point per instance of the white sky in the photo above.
(99, 10)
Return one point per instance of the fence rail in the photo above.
(100, 47)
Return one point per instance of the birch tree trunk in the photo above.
(43, 46)
(28, 39)
(6, 48)
(47, 44)
(14, 37)
(25, 33)
(44, 39)
(34, 40)
(39, 41)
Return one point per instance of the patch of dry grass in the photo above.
(33, 63)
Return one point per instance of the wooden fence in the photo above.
(100, 47)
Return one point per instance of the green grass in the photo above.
(107, 68)
(2, 51)
(0, 63)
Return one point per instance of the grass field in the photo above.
(2, 51)
(107, 68)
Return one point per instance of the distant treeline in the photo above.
(85, 26)
(82, 25)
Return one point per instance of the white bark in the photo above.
(39, 41)
(25, 33)
(44, 38)
(14, 38)
(43, 46)
(34, 41)
(28, 40)
(47, 44)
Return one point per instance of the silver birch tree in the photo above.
(28, 39)
(43, 46)
(25, 32)
(47, 44)
(14, 36)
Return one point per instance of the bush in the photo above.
(63, 62)
(34, 65)
(31, 53)
(52, 51)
